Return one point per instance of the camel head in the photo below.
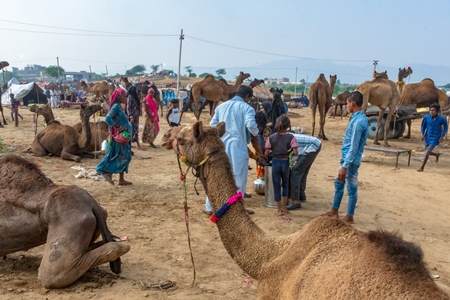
(43, 110)
(87, 111)
(243, 75)
(196, 142)
(403, 73)
(333, 79)
(3, 64)
(382, 75)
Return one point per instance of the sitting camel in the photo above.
(65, 218)
(382, 93)
(325, 259)
(423, 94)
(340, 101)
(63, 140)
(99, 133)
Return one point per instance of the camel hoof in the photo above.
(376, 143)
(325, 138)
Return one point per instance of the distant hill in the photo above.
(346, 73)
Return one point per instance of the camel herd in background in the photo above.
(381, 92)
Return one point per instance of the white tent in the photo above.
(29, 93)
(13, 81)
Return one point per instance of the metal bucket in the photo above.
(269, 197)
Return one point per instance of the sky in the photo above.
(234, 35)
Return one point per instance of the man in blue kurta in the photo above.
(352, 150)
(434, 128)
(239, 118)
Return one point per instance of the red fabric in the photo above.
(153, 108)
(115, 95)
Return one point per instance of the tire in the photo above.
(398, 132)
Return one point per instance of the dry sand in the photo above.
(150, 213)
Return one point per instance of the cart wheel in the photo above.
(394, 133)
(372, 120)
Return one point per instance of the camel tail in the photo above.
(406, 255)
(107, 236)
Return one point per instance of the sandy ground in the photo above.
(150, 213)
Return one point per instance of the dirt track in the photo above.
(151, 215)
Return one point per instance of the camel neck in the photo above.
(242, 238)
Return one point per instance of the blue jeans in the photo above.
(280, 178)
(352, 190)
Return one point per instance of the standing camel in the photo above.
(212, 90)
(3, 64)
(325, 259)
(66, 218)
(402, 74)
(340, 101)
(99, 89)
(320, 95)
(382, 93)
(423, 94)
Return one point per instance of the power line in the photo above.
(84, 30)
(86, 34)
(276, 54)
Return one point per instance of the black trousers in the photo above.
(299, 174)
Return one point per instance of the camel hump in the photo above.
(406, 255)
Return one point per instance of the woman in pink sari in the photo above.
(151, 128)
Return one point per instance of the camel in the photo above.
(66, 218)
(212, 90)
(96, 128)
(381, 75)
(99, 89)
(423, 94)
(402, 74)
(340, 101)
(3, 64)
(382, 93)
(63, 140)
(320, 95)
(325, 259)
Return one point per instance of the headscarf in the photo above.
(115, 95)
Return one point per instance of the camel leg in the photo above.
(335, 111)
(380, 117)
(3, 116)
(342, 112)
(196, 109)
(313, 111)
(66, 257)
(37, 149)
(69, 156)
(386, 125)
(408, 135)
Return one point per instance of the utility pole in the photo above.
(179, 60)
(295, 86)
(57, 63)
(106, 71)
(375, 63)
(90, 70)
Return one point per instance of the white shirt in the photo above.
(175, 117)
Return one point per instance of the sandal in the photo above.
(294, 206)
(108, 177)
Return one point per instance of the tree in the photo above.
(189, 70)
(203, 75)
(138, 69)
(303, 81)
(193, 75)
(154, 69)
(52, 71)
(221, 72)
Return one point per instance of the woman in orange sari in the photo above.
(151, 128)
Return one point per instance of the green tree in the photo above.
(189, 70)
(138, 69)
(193, 75)
(303, 81)
(203, 75)
(220, 72)
(154, 69)
(52, 71)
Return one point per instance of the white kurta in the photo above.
(239, 118)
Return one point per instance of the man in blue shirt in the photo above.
(434, 127)
(352, 150)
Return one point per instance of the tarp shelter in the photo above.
(13, 81)
(29, 93)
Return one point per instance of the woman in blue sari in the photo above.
(117, 156)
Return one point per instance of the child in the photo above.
(174, 122)
(281, 143)
(15, 109)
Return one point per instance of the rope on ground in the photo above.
(165, 286)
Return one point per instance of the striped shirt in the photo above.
(306, 143)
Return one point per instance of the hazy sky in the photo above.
(222, 34)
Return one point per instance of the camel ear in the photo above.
(221, 128)
(197, 130)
